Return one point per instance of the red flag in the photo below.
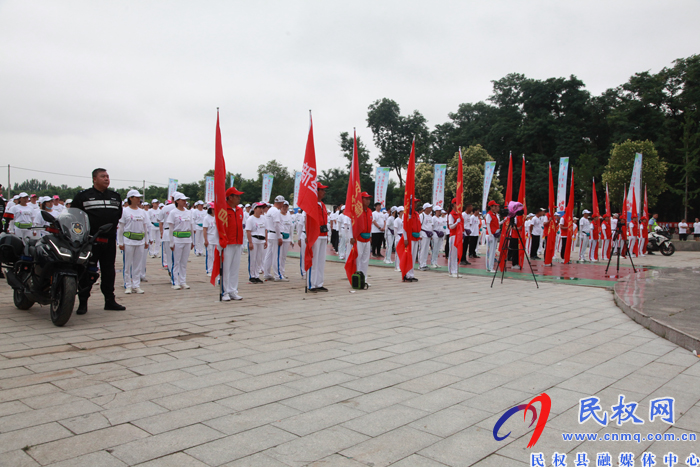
(635, 223)
(521, 219)
(308, 196)
(552, 225)
(607, 201)
(459, 195)
(596, 222)
(504, 229)
(569, 221)
(644, 234)
(403, 248)
(354, 208)
(220, 205)
(609, 221)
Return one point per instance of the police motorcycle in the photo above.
(660, 240)
(48, 270)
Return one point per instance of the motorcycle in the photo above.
(48, 270)
(660, 240)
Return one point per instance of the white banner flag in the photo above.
(297, 181)
(172, 187)
(561, 184)
(489, 168)
(267, 187)
(439, 186)
(209, 190)
(635, 187)
(381, 183)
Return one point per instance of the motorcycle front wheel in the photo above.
(668, 250)
(21, 300)
(62, 304)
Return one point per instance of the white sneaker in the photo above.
(138, 290)
(176, 287)
(434, 266)
(516, 268)
(235, 296)
(208, 274)
(225, 298)
(268, 278)
(127, 291)
(281, 279)
(492, 270)
(185, 286)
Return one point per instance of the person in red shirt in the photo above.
(231, 255)
(362, 234)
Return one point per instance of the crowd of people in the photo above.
(268, 231)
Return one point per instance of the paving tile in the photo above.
(132, 412)
(316, 446)
(383, 420)
(17, 458)
(252, 418)
(182, 417)
(32, 436)
(449, 421)
(260, 459)
(318, 419)
(390, 447)
(240, 445)
(179, 459)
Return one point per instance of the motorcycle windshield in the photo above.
(74, 224)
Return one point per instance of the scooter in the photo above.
(660, 240)
(48, 270)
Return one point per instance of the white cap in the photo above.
(400, 209)
(438, 207)
(154, 201)
(15, 197)
(279, 199)
(393, 209)
(22, 195)
(133, 193)
(199, 202)
(177, 196)
(69, 200)
(286, 202)
(586, 211)
(240, 206)
(43, 199)
(427, 205)
(247, 205)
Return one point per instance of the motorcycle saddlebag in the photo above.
(11, 248)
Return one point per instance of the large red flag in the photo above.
(596, 222)
(354, 208)
(609, 221)
(308, 196)
(635, 224)
(403, 248)
(220, 205)
(569, 221)
(551, 225)
(644, 233)
(504, 229)
(459, 196)
(521, 219)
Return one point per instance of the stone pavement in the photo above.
(402, 374)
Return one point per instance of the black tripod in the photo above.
(506, 248)
(616, 236)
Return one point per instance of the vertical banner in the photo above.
(297, 181)
(381, 183)
(209, 190)
(232, 180)
(635, 187)
(267, 187)
(561, 184)
(439, 186)
(489, 168)
(172, 187)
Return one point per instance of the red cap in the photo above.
(321, 187)
(364, 194)
(454, 201)
(493, 203)
(233, 191)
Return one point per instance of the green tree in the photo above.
(618, 172)
(393, 134)
(366, 168)
(283, 183)
(689, 165)
(473, 160)
(424, 182)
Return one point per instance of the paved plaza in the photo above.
(402, 374)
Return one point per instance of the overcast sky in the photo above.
(133, 86)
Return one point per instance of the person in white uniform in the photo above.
(21, 217)
(40, 225)
(211, 238)
(256, 233)
(316, 274)
(493, 229)
(198, 215)
(181, 229)
(389, 234)
(426, 234)
(154, 232)
(301, 235)
(166, 251)
(272, 217)
(284, 243)
(585, 228)
(398, 234)
(453, 220)
(344, 233)
(439, 231)
(132, 239)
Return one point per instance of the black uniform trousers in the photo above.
(377, 243)
(535, 245)
(106, 254)
(473, 243)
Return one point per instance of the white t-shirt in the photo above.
(377, 217)
(212, 231)
(180, 221)
(198, 218)
(40, 222)
(333, 219)
(273, 220)
(696, 228)
(24, 216)
(682, 228)
(538, 225)
(398, 226)
(166, 228)
(287, 226)
(257, 226)
(133, 221)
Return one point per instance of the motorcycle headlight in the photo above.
(63, 251)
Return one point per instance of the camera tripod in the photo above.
(615, 238)
(506, 248)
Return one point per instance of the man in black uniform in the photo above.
(102, 206)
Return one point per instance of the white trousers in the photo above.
(154, 236)
(584, 247)
(318, 263)
(143, 263)
(397, 266)
(491, 246)
(166, 255)
(231, 266)
(363, 252)
(198, 242)
(24, 233)
(453, 260)
(414, 252)
(343, 244)
(269, 257)
(631, 241)
(181, 253)
(134, 259)
(209, 258)
(279, 259)
(302, 254)
(389, 255)
(437, 245)
(255, 259)
(424, 250)
(606, 245)
(593, 246)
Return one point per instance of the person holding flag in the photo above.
(317, 263)
(454, 223)
(358, 259)
(231, 253)
(493, 233)
(407, 246)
